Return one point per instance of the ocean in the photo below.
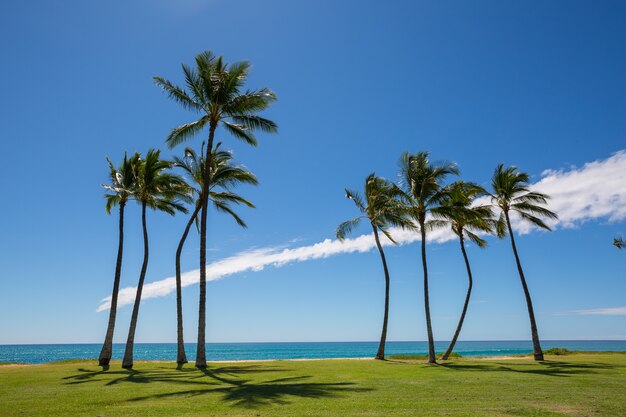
(298, 350)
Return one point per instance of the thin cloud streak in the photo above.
(609, 311)
(597, 190)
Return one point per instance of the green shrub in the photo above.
(558, 352)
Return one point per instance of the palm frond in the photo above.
(240, 132)
(224, 207)
(534, 220)
(254, 122)
(346, 227)
(177, 94)
(185, 132)
(480, 242)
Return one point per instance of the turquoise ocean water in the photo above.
(303, 350)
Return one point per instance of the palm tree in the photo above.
(214, 90)
(381, 208)
(424, 192)
(223, 177)
(466, 220)
(121, 189)
(619, 243)
(510, 192)
(159, 190)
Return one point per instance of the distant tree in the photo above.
(119, 190)
(224, 176)
(159, 190)
(382, 209)
(424, 191)
(619, 243)
(214, 90)
(466, 219)
(510, 193)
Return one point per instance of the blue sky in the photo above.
(541, 85)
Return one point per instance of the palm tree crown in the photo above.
(466, 218)
(215, 91)
(123, 181)
(381, 206)
(511, 193)
(422, 182)
(157, 188)
(223, 177)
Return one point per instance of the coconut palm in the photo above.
(466, 220)
(422, 182)
(120, 190)
(510, 193)
(382, 209)
(224, 175)
(159, 190)
(619, 243)
(214, 90)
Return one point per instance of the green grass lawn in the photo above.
(572, 385)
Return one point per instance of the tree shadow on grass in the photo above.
(549, 368)
(227, 381)
(225, 374)
(249, 394)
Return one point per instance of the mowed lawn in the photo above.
(572, 385)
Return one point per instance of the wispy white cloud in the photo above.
(597, 190)
(609, 311)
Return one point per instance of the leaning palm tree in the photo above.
(510, 193)
(382, 209)
(424, 191)
(120, 190)
(224, 175)
(159, 190)
(466, 220)
(214, 90)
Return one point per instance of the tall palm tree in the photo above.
(224, 175)
(120, 190)
(424, 191)
(510, 193)
(214, 90)
(381, 208)
(159, 190)
(466, 220)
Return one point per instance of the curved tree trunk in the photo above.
(467, 298)
(383, 337)
(182, 356)
(538, 353)
(201, 346)
(107, 347)
(127, 362)
(429, 329)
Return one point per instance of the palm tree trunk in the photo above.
(127, 362)
(467, 298)
(383, 337)
(201, 345)
(107, 347)
(182, 356)
(429, 329)
(538, 353)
